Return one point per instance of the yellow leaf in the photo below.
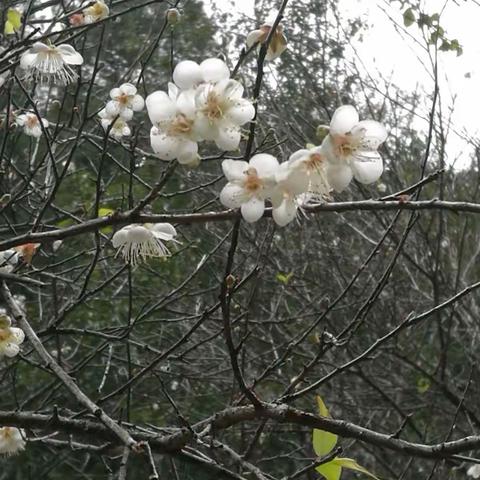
(105, 212)
(323, 442)
(329, 470)
(14, 21)
(9, 30)
(352, 465)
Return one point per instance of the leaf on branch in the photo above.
(408, 17)
(323, 442)
(14, 21)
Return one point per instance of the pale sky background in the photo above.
(396, 56)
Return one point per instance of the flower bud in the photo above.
(173, 16)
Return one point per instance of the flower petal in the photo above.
(233, 195)
(165, 146)
(186, 103)
(160, 107)
(253, 210)
(265, 164)
(18, 335)
(367, 167)
(228, 138)
(373, 134)
(164, 231)
(9, 349)
(137, 103)
(70, 55)
(213, 70)
(286, 212)
(187, 151)
(234, 170)
(128, 89)
(343, 120)
(187, 74)
(339, 176)
(119, 238)
(242, 112)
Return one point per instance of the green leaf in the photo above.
(105, 212)
(323, 442)
(330, 470)
(408, 17)
(423, 385)
(284, 278)
(352, 465)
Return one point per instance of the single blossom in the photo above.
(351, 148)
(12, 440)
(76, 19)
(173, 16)
(474, 471)
(308, 168)
(174, 133)
(249, 184)
(138, 242)
(221, 111)
(278, 42)
(47, 62)
(116, 127)
(10, 337)
(94, 13)
(188, 74)
(8, 260)
(125, 101)
(32, 125)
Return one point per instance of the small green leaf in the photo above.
(330, 470)
(105, 212)
(423, 385)
(323, 442)
(352, 465)
(408, 17)
(284, 278)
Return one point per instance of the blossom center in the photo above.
(252, 183)
(314, 162)
(181, 125)
(97, 9)
(31, 121)
(214, 107)
(123, 99)
(4, 335)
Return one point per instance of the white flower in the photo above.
(10, 337)
(48, 62)
(119, 128)
(474, 471)
(8, 260)
(137, 242)
(124, 102)
(290, 184)
(221, 111)
(12, 440)
(249, 184)
(173, 16)
(277, 44)
(351, 148)
(31, 124)
(309, 167)
(188, 74)
(174, 133)
(94, 13)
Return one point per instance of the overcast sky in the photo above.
(385, 50)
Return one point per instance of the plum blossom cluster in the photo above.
(10, 337)
(350, 150)
(136, 242)
(202, 104)
(12, 440)
(124, 101)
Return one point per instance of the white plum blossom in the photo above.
(351, 148)
(189, 74)
(47, 62)
(116, 127)
(125, 101)
(309, 167)
(8, 260)
(221, 111)
(474, 471)
(174, 133)
(278, 42)
(32, 125)
(94, 13)
(12, 440)
(137, 242)
(249, 184)
(10, 337)
(173, 16)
